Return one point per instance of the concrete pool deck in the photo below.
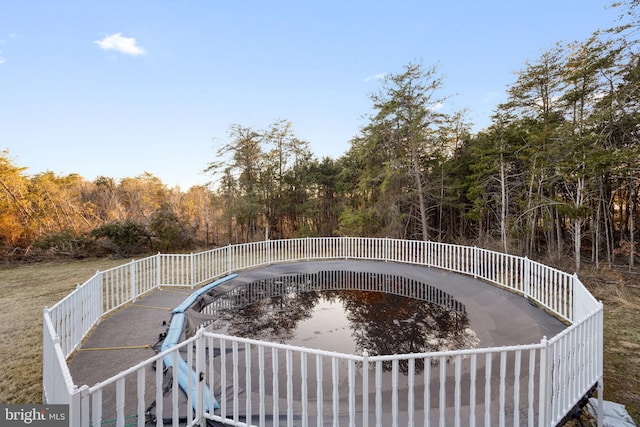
(128, 336)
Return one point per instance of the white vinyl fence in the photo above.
(260, 383)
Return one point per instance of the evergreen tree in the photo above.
(397, 148)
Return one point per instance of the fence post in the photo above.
(365, 388)
(268, 248)
(158, 268)
(600, 420)
(132, 280)
(75, 402)
(84, 408)
(47, 357)
(545, 373)
(574, 303)
(192, 271)
(201, 404)
(600, 350)
(527, 277)
(228, 258)
(343, 245)
(476, 262)
(387, 249)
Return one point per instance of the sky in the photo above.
(119, 88)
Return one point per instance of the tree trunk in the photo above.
(421, 201)
(503, 208)
(577, 222)
(559, 243)
(632, 243)
(595, 256)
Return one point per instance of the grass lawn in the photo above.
(25, 290)
(620, 293)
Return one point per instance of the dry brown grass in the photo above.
(24, 292)
(619, 292)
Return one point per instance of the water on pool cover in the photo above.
(330, 311)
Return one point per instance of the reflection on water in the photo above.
(344, 311)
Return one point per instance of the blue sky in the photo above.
(117, 88)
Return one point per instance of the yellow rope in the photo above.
(174, 292)
(129, 347)
(152, 306)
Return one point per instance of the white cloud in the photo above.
(4, 41)
(437, 106)
(117, 42)
(379, 76)
(10, 36)
(490, 97)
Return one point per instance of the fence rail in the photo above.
(530, 385)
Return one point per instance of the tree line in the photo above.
(556, 173)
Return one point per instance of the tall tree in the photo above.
(284, 185)
(453, 133)
(495, 178)
(141, 196)
(325, 179)
(534, 101)
(404, 128)
(242, 159)
(579, 159)
(16, 213)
